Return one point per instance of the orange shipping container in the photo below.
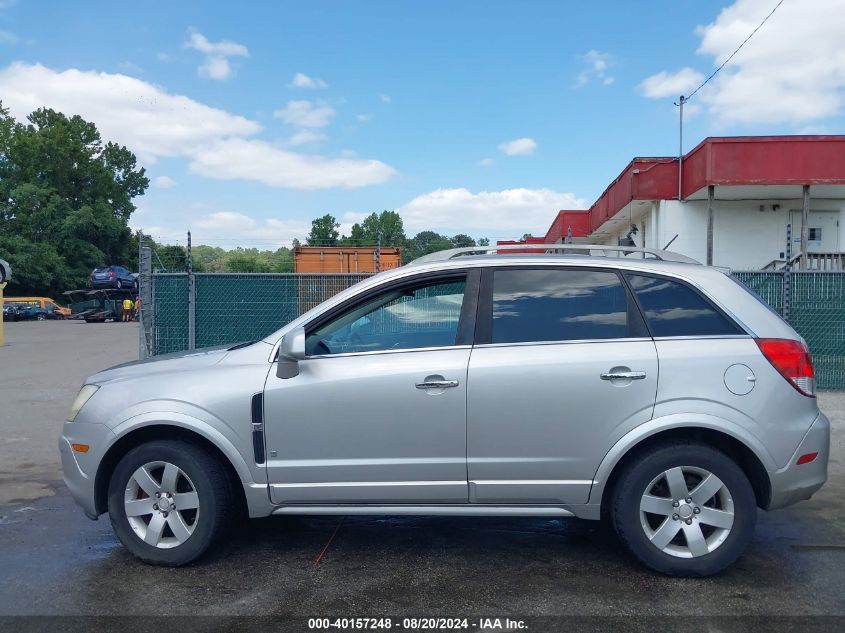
(344, 259)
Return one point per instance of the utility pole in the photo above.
(680, 105)
(378, 253)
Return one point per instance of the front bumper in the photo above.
(80, 469)
(794, 482)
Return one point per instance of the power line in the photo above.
(731, 56)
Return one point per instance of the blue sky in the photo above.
(477, 117)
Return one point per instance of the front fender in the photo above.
(669, 422)
(214, 430)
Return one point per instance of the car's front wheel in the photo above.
(169, 501)
(684, 509)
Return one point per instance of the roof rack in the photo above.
(558, 249)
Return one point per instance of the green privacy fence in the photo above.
(814, 304)
(229, 308)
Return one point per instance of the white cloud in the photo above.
(229, 225)
(792, 71)
(163, 182)
(385, 98)
(154, 123)
(519, 147)
(262, 162)
(7, 37)
(304, 113)
(363, 118)
(301, 80)
(498, 213)
(216, 63)
(595, 67)
(665, 84)
(305, 137)
(151, 121)
(486, 162)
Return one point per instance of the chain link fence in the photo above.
(814, 304)
(181, 311)
(229, 307)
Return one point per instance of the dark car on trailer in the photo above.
(113, 277)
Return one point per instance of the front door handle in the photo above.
(437, 384)
(623, 375)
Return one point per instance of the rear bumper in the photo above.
(794, 482)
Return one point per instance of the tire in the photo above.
(717, 539)
(196, 529)
(41, 317)
(118, 284)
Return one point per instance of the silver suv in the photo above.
(646, 389)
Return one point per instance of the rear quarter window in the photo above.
(672, 308)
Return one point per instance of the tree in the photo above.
(65, 201)
(324, 231)
(484, 241)
(387, 225)
(425, 242)
(461, 240)
(356, 237)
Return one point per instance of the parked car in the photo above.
(10, 312)
(5, 271)
(656, 392)
(44, 305)
(34, 311)
(113, 277)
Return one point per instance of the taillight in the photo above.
(111, 274)
(792, 360)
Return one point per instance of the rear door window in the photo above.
(558, 304)
(672, 308)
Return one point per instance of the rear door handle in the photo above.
(623, 375)
(437, 384)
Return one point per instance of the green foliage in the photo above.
(462, 241)
(324, 231)
(65, 201)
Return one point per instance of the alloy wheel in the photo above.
(686, 512)
(161, 504)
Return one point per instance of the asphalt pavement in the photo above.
(57, 562)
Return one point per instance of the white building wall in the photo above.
(744, 237)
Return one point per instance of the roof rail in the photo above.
(559, 249)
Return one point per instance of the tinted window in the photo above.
(674, 309)
(557, 305)
(410, 318)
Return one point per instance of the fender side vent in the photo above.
(258, 427)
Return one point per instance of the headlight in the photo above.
(81, 398)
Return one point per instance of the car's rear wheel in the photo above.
(684, 509)
(169, 502)
(118, 284)
(41, 316)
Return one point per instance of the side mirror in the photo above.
(291, 351)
